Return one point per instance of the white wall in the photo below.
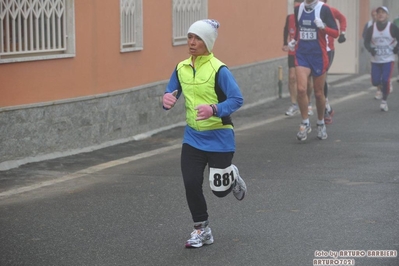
(346, 60)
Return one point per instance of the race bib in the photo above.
(308, 35)
(384, 50)
(221, 179)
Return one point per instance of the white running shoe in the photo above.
(310, 110)
(321, 131)
(302, 134)
(240, 188)
(200, 237)
(384, 107)
(378, 95)
(292, 110)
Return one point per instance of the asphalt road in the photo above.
(125, 205)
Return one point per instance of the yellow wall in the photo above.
(251, 31)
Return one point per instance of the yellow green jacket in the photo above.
(199, 87)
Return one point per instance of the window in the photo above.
(131, 25)
(185, 13)
(36, 30)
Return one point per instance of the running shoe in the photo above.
(384, 107)
(310, 110)
(200, 237)
(321, 131)
(304, 129)
(292, 110)
(240, 188)
(378, 95)
(328, 116)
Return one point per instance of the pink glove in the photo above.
(169, 99)
(204, 111)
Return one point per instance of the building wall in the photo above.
(100, 97)
(246, 35)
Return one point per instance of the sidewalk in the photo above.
(55, 170)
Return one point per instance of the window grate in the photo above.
(131, 25)
(186, 12)
(32, 26)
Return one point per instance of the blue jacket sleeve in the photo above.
(173, 85)
(328, 18)
(230, 88)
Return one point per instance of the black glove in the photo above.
(341, 38)
(395, 50)
(372, 51)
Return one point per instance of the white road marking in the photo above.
(90, 170)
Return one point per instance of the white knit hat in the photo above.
(207, 30)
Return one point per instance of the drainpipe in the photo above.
(280, 81)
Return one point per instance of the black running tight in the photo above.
(193, 164)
